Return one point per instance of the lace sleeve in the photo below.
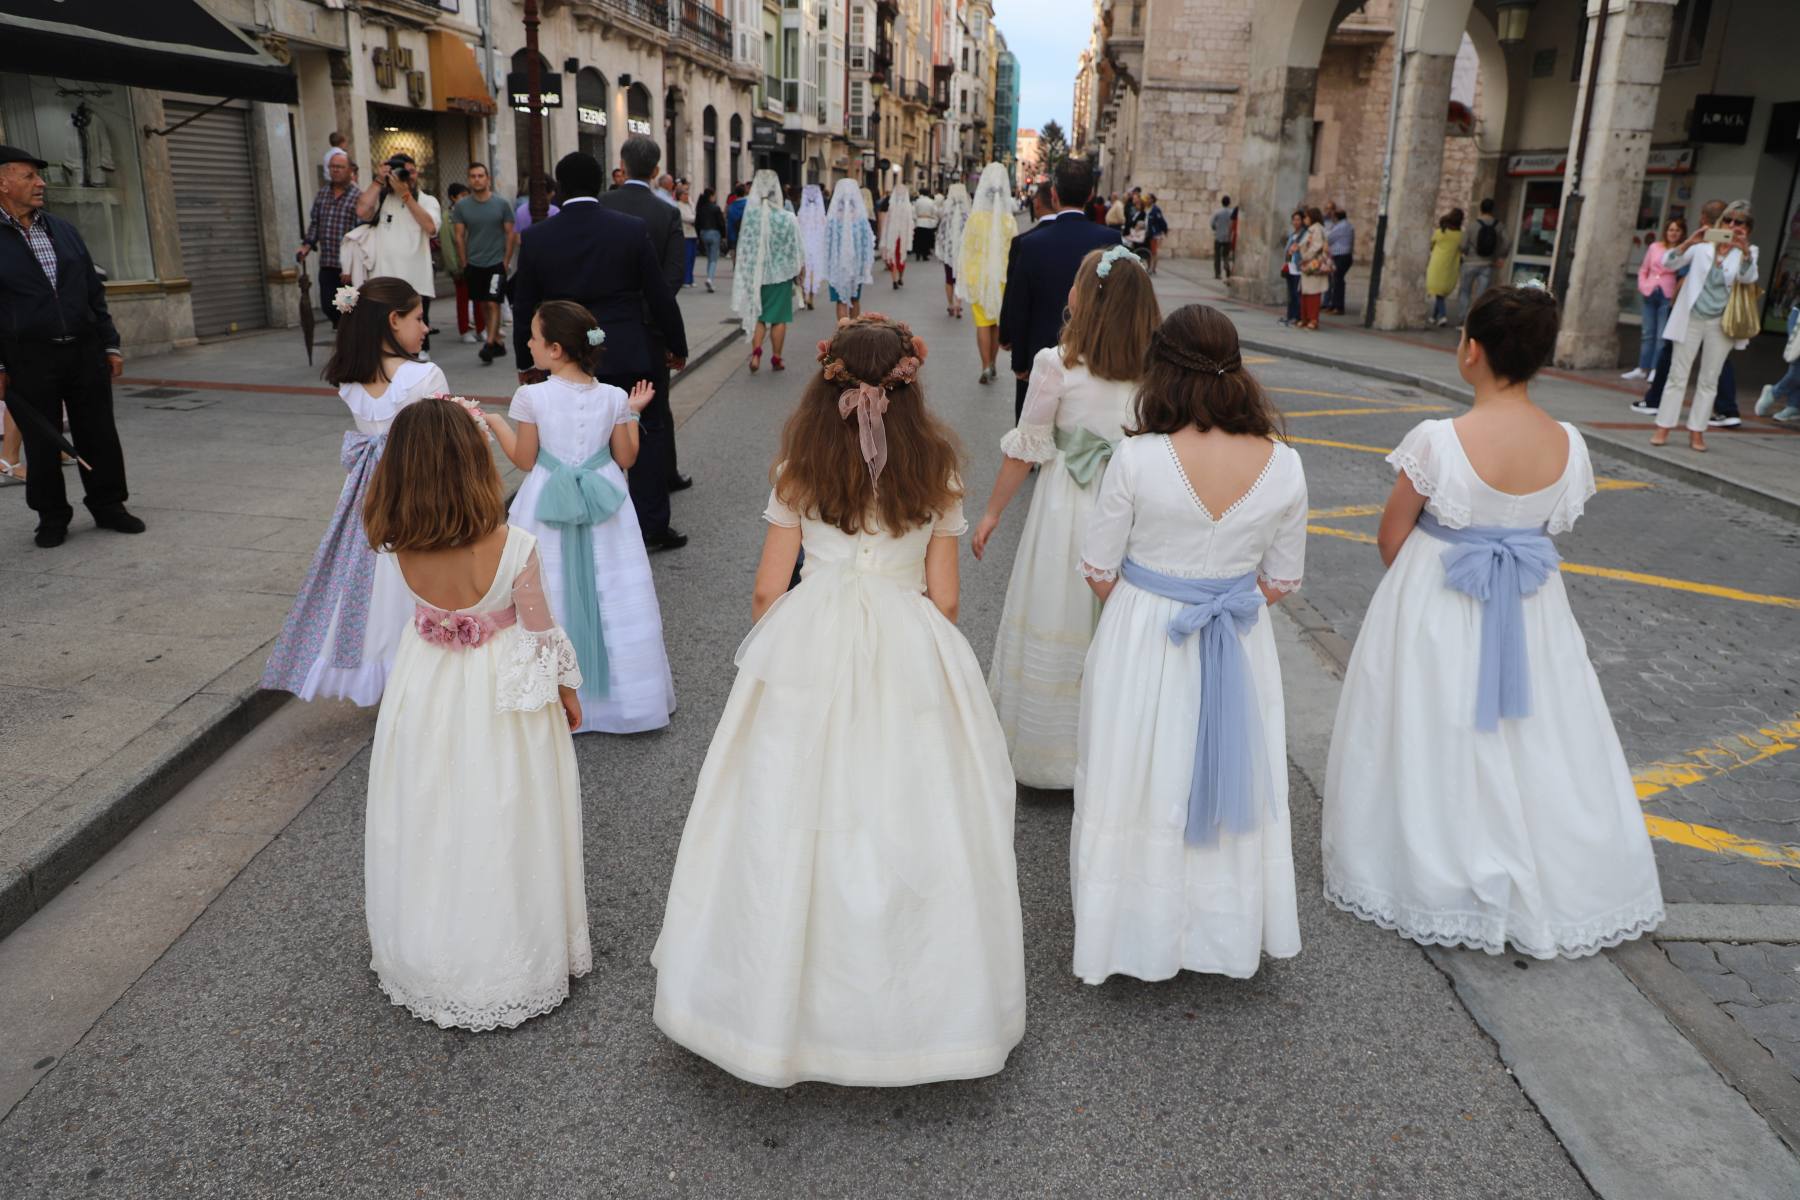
(1421, 455)
(1109, 527)
(541, 658)
(1034, 440)
(1284, 561)
(1578, 487)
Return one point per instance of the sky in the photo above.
(1046, 36)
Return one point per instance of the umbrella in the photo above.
(306, 308)
(30, 418)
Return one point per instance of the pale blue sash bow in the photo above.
(1498, 568)
(575, 499)
(1085, 453)
(1229, 741)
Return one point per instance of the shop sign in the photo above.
(518, 89)
(1670, 160)
(638, 126)
(1537, 164)
(590, 115)
(765, 134)
(1673, 160)
(1722, 120)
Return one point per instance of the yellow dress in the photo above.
(1446, 262)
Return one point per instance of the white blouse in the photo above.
(1148, 512)
(1059, 397)
(1432, 457)
(411, 381)
(574, 420)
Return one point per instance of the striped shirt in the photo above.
(332, 217)
(38, 238)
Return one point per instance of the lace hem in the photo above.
(1453, 514)
(537, 663)
(1284, 586)
(1489, 933)
(1097, 574)
(510, 1013)
(1029, 443)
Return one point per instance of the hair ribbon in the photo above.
(868, 401)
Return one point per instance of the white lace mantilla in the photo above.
(533, 668)
(1029, 443)
(1491, 932)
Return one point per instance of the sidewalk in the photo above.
(1757, 465)
(132, 662)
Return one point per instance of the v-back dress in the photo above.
(1529, 834)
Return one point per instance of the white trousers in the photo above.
(1707, 342)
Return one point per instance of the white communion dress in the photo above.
(1148, 902)
(1070, 423)
(476, 896)
(1527, 834)
(844, 906)
(574, 422)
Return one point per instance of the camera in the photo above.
(401, 166)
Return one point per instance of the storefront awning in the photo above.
(169, 44)
(456, 80)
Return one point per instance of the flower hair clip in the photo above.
(595, 336)
(1112, 256)
(345, 298)
(473, 408)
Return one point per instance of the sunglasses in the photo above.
(1735, 221)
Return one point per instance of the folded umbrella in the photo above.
(306, 309)
(30, 418)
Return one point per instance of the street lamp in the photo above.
(1510, 19)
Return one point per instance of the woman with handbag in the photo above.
(1315, 268)
(1717, 310)
(1290, 265)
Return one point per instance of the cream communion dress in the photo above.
(1149, 902)
(844, 906)
(472, 867)
(1528, 834)
(1070, 423)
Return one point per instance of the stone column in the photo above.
(1413, 189)
(1617, 151)
(1272, 169)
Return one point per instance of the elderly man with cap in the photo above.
(58, 350)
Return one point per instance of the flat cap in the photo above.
(12, 154)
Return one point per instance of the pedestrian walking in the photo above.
(925, 226)
(1315, 268)
(1340, 242)
(577, 437)
(1224, 231)
(475, 888)
(1076, 409)
(896, 233)
(1158, 228)
(336, 146)
(849, 249)
(953, 218)
(471, 318)
(690, 233)
(406, 219)
(1445, 265)
(333, 215)
(983, 260)
(844, 907)
(812, 242)
(482, 224)
(1506, 817)
(1181, 855)
(734, 213)
(1290, 265)
(709, 222)
(1657, 284)
(522, 211)
(59, 353)
(1719, 259)
(1781, 400)
(769, 260)
(346, 624)
(1484, 248)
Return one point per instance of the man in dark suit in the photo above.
(604, 261)
(1040, 270)
(650, 487)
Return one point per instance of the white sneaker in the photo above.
(469, 338)
(1765, 403)
(1723, 422)
(1634, 373)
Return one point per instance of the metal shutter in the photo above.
(215, 208)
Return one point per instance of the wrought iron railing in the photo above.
(650, 12)
(705, 28)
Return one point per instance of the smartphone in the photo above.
(1718, 235)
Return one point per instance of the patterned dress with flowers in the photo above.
(476, 897)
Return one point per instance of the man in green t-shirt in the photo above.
(485, 242)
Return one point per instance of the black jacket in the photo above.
(603, 261)
(708, 215)
(664, 220)
(1040, 270)
(30, 309)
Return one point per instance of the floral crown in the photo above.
(900, 374)
(1116, 254)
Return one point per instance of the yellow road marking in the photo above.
(1726, 754)
(1356, 412)
(1717, 841)
(1335, 396)
(1353, 510)
(1347, 534)
(1620, 485)
(1682, 585)
(1340, 445)
(1257, 360)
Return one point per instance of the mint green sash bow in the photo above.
(1085, 453)
(575, 499)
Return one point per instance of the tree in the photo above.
(1053, 146)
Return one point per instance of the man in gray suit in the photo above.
(655, 474)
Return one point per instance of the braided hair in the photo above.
(1197, 377)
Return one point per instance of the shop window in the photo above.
(87, 133)
(1538, 220)
(591, 116)
(1687, 33)
(405, 131)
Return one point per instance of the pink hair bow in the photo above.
(868, 401)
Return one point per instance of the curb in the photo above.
(1746, 494)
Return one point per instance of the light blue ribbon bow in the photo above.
(1085, 453)
(1498, 568)
(575, 499)
(1229, 740)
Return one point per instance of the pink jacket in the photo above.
(1652, 275)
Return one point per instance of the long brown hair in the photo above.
(1109, 331)
(1197, 377)
(820, 470)
(365, 335)
(436, 486)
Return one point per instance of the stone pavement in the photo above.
(132, 661)
(1758, 465)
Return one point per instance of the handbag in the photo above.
(1742, 318)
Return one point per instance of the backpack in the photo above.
(1487, 239)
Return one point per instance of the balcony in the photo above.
(649, 12)
(889, 7)
(703, 27)
(859, 57)
(914, 91)
(772, 100)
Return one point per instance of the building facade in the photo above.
(1006, 106)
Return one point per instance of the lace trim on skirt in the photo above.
(1490, 932)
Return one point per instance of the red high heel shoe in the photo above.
(776, 363)
(756, 360)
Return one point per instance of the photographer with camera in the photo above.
(406, 218)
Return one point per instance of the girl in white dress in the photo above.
(340, 637)
(844, 906)
(577, 437)
(1180, 855)
(1076, 408)
(1476, 793)
(472, 864)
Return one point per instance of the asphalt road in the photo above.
(256, 1057)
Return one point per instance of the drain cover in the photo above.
(161, 393)
(183, 405)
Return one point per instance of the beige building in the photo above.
(1025, 154)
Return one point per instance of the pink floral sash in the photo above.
(461, 630)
